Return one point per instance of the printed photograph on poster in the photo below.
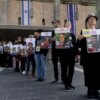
(46, 39)
(93, 40)
(13, 49)
(63, 38)
(30, 41)
(6, 48)
(19, 47)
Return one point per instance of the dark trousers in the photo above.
(10, 61)
(55, 65)
(1, 60)
(31, 60)
(17, 68)
(23, 59)
(67, 68)
(6, 59)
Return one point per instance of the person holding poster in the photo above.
(90, 61)
(40, 57)
(31, 60)
(56, 24)
(30, 43)
(67, 53)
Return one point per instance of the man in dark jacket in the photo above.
(56, 24)
(40, 57)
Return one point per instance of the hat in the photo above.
(91, 15)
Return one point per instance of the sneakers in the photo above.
(23, 72)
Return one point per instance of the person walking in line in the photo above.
(90, 61)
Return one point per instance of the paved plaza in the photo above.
(15, 86)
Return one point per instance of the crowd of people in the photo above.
(33, 60)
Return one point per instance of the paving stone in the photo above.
(22, 93)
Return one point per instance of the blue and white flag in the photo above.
(25, 12)
(71, 16)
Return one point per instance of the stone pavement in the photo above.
(15, 86)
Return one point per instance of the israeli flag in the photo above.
(25, 12)
(71, 16)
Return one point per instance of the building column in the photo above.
(56, 9)
(3, 14)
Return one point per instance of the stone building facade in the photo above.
(11, 13)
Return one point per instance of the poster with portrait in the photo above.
(46, 40)
(19, 47)
(13, 49)
(92, 39)
(6, 47)
(30, 42)
(63, 38)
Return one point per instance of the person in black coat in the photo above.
(67, 56)
(90, 61)
(55, 55)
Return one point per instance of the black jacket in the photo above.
(91, 65)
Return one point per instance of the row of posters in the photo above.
(63, 40)
(13, 49)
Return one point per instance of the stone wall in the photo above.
(14, 11)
